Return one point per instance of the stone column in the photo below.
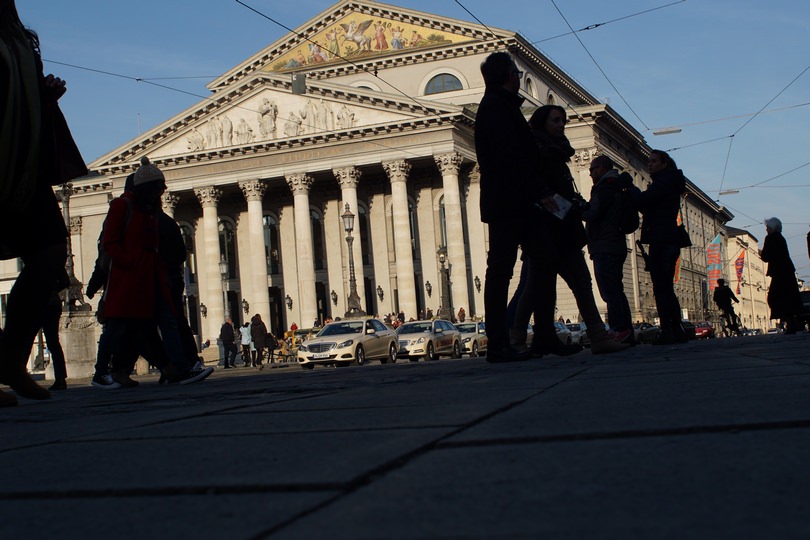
(212, 296)
(476, 234)
(397, 172)
(256, 267)
(300, 185)
(348, 179)
(449, 166)
(169, 201)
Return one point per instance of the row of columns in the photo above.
(300, 184)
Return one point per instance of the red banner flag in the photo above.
(739, 264)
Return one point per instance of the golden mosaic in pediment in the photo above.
(359, 35)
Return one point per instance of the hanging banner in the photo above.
(714, 261)
(739, 265)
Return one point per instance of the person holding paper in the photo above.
(556, 247)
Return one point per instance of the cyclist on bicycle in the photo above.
(723, 296)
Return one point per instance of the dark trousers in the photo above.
(50, 327)
(504, 239)
(661, 265)
(131, 338)
(230, 352)
(608, 270)
(42, 273)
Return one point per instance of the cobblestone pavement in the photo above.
(709, 439)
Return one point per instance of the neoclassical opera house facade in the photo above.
(365, 106)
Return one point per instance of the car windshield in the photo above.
(466, 327)
(340, 328)
(414, 328)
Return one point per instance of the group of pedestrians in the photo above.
(255, 341)
(529, 201)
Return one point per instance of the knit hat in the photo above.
(147, 173)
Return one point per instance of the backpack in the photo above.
(628, 214)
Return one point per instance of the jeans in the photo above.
(661, 264)
(608, 269)
(504, 238)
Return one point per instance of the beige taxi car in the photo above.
(428, 340)
(345, 342)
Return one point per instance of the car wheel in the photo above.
(392, 354)
(474, 349)
(431, 352)
(456, 349)
(360, 356)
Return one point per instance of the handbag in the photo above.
(68, 160)
(683, 237)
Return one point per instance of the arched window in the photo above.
(271, 247)
(443, 83)
(364, 232)
(530, 87)
(190, 265)
(227, 245)
(318, 248)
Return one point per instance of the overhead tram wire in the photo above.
(722, 180)
(597, 25)
(598, 66)
(305, 38)
(204, 98)
(725, 118)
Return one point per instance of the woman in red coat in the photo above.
(138, 275)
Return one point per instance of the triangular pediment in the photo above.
(263, 112)
(355, 31)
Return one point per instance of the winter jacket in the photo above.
(507, 158)
(258, 331)
(137, 273)
(659, 205)
(604, 214)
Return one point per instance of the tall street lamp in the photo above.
(446, 310)
(354, 299)
(223, 274)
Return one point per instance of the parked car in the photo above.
(428, 340)
(473, 338)
(646, 332)
(704, 330)
(352, 340)
(689, 328)
(579, 335)
(563, 333)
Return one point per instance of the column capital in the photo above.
(169, 201)
(397, 171)
(76, 225)
(299, 183)
(208, 196)
(475, 174)
(583, 158)
(448, 163)
(64, 192)
(253, 190)
(347, 177)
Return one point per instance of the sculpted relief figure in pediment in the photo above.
(268, 112)
(244, 133)
(292, 127)
(196, 141)
(345, 118)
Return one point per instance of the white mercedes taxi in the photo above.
(342, 343)
(473, 338)
(428, 340)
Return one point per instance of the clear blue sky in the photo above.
(684, 65)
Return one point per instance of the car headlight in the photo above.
(420, 340)
(345, 343)
(302, 348)
(467, 340)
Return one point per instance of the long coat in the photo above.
(659, 205)
(783, 294)
(137, 273)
